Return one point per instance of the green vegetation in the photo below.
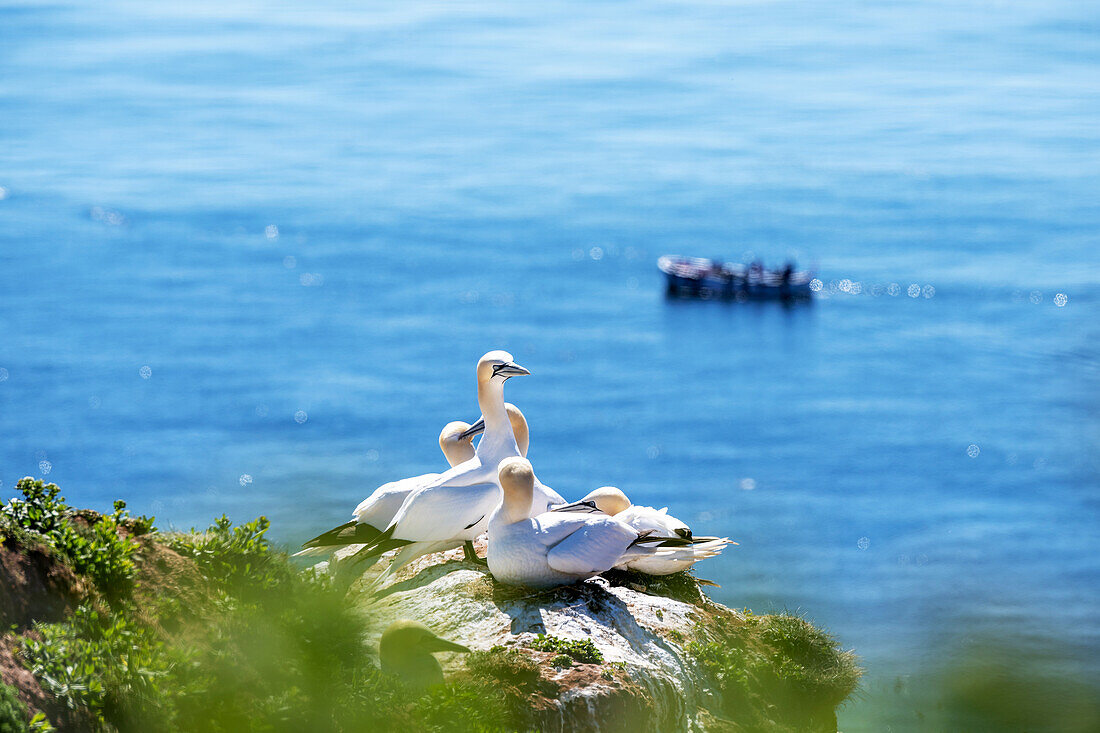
(683, 586)
(515, 676)
(212, 631)
(582, 651)
(13, 714)
(216, 631)
(92, 544)
(774, 673)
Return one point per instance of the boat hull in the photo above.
(700, 278)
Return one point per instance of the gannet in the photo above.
(406, 651)
(544, 498)
(613, 502)
(558, 548)
(455, 508)
(376, 512)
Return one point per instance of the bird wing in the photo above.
(644, 518)
(379, 509)
(553, 527)
(442, 512)
(595, 546)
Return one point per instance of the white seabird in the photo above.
(454, 509)
(376, 512)
(613, 502)
(558, 548)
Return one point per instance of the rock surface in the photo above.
(646, 681)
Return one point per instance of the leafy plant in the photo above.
(235, 558)
(107, 665)
(41, 509)
(94, 547)
(582, 650)
(13, 715)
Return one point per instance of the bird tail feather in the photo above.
(348, 533)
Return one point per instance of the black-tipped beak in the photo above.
(475, 429)
(435, 644)
(578, 507)
(509, 369)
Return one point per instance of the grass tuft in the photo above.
(774, 673)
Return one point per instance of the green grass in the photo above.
(773, 673)
(515, 676)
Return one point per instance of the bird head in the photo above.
(406, 638)
(498, 366)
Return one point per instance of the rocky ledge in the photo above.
(625, 652)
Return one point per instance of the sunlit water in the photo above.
(249, 256)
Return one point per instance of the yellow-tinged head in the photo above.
(456, 443)
(608, 500)
(517, 480)
(498, 365)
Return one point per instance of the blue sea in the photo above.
(251, 251)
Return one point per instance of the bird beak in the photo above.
(435, 644)
(509, 369)
(475, 429)
(581, 507)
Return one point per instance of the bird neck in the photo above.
(416, 669)
(498, 435)
(516, 506)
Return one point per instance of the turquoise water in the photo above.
(305, 225)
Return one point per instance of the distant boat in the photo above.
(703, 278)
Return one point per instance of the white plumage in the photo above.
(377, 511)
(455, 508)
(556, 548)
(613, 502)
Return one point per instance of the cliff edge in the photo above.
(625, 652)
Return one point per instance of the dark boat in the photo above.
(703, 278)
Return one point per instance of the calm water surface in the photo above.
(249, 256)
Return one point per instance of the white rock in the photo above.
(656, 689)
